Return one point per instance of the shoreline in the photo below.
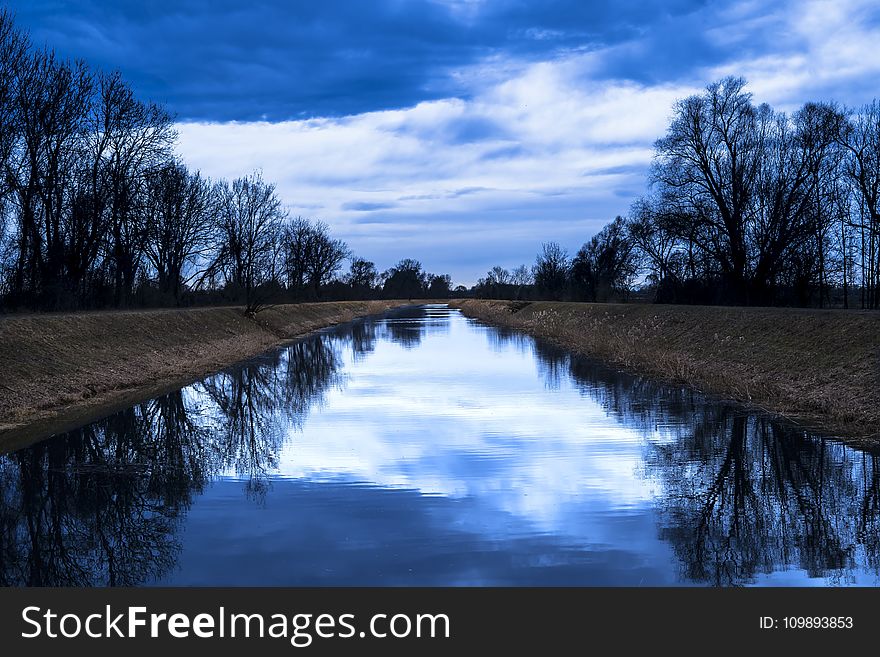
(61, 370)
(819, 369)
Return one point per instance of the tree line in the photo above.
(97, 210)
(746, 205)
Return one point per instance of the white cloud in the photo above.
(538, 151)
(490, 161)
(817, 50)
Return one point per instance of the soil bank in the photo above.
(820, 368)
(58, 370)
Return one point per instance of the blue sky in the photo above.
(459, 132)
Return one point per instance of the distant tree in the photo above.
(605, 266)
(249, 223)
(135, 138)
(311, 256)
(405, 280)
(362, 277)
(497, 284)
(296, 253)
(551, 270)
(498, 276)
(439, 286)
(861, 166)
(180, 208)
(521, 277)
(325, 257)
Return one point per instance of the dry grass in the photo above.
(821, 368)
(62, 365)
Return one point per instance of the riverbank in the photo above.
(820, 368)
(59, 370)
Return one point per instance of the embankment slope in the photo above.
(64, 367)
(818, 367)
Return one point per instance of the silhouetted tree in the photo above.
(249, 225)
(861, 140)
(325, 257)
(405, 280)
(362, 277)
(180, 225)
(497, 284)
(605, 267)
(311, 256)
(13, 49)
(707, 166)
(551, 270)
(439, 286)
(52, 99)
(94, 209)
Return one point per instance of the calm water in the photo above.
(428, 449)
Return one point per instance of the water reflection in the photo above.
(743, 495)
(93, 507)
(762, 497)
(424, 448)
(102, 505)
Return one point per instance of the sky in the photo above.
(462, 133)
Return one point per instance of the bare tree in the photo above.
(818, 128)
(52, 101)
(551, 270)
(362, 277)
(521, 277)
(746, 190)
(326, 256)
(499, 276)
(250, 218)
(311, 256)
(439, 286)
(296, 239)
(861, 139)
(707, 166)
(13, 50)
(406, 280)
(180, 212)
(605, 266)
(498, 284)
(656, 244)
(139, 137)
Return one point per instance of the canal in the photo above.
(426, 448)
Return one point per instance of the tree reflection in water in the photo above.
(101, 505)
(409, 325)
(742, 494)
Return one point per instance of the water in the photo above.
(428, 449)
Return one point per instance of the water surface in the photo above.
(425, 448)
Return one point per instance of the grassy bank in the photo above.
(820, 368)
(58, 369)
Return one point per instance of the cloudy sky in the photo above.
(459, 132)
